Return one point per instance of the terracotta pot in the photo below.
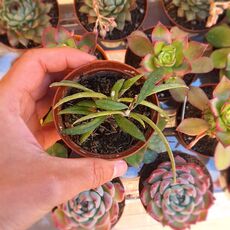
(193, 31)
(24, 49)
(180, 135)
(112, 40)
(91, 68)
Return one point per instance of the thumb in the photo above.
(77, 175)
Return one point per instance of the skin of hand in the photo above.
(31, 181)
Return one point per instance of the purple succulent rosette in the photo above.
(95, 209)
(179, 204)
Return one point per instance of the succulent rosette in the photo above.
(23, 20)
(178, 204)
(95, 209)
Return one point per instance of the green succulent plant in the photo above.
(60, 37)
(95, 209)
(171, 50)
(215, 120)
(108, 14)
(23, 20)
(192, 9)
(179, 204)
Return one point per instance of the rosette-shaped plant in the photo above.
(170, 50)
(177, 204)
(96, 209)
(108, 14)
(23, 20)
(59, 37)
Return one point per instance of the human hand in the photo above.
(31, 181)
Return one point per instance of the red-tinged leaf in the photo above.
(145, 195)
(156, 175)
(154, 211)
(62, 35)
(222, 157)
(198, 98)
(179, 160)
(183, 69)
(148, 63)
(219, 57)
(223, 137)
(195, 50)
(48, 37)
(222, 90)
(178, 34)
(193, 126)
(154, 188)
(158, 47)
(114, 212)
(139, 44)
(161, 33)
(208, 200)
(202, 65)
(109, 188)
(119, 192)
(61, 221)
(103, 223)
(88, 42)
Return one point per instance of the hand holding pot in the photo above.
(31, 181)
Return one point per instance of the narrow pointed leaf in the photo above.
(136, 159)
(85, 136)
(116, 89)
(107, 104)
(84, 128)
(137, 118)
(48, 119)
(80, 95)
(129, 127)
(75, 110)
(71, 84)
(87, 103)
(58, 150)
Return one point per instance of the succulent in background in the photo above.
(192, 9)
(95, 209)
(23, 20)
(219, 37)
(170, 50)
(177, 204)
(108, 14)
(59, 37)
(215, 120)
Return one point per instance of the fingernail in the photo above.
(120, 168)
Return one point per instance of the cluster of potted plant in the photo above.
(110, 110)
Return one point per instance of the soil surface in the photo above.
(54, 14)
(137, 15)
(206, 145)
(108, 138)
(191, 25)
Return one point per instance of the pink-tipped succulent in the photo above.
(59, 37)
(177, 204)
(215, 120)
(95, 209)
(170, 50)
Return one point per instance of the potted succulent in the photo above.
(195, 16)
(112, 19)
(214, 121)
(22, 22)
(224, 180)
(219, 38)
(170, 50)
(58, 37)
(176, 204)
(95, 209)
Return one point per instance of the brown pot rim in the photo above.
(184, 28)
(13, 49)
(114, 40)
(179, 134)
(92, 67)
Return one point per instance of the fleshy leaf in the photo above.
(88, 43)
(222, 157)
(195, 50)
(202, 65)
(161, 33)
(223, 89)
(48, 37)
(58, 150)
(178, 34)
(193, 126)
(107, 104)
(119, 192)
(136, 159)
(219, 57)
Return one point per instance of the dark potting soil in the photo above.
(147, 169)
(137, 15)
(206, 145)
(54, 14)
(191, 25)
(108, 138)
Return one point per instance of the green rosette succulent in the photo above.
(179, 204)
(108, 14)
(95, 209)
(23, 20)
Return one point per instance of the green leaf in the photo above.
(136, 159)
(48, 118)
(116, 89)
(58, 150)
(88, 42)
(137, 118)
(202, 65)
(87, 103)
(161, 33)
(129, 127)
(107, 104)
(84, 128)
(80, 95)
(85, 136)
(219, 58)
(149, 156)
(71, 84)
(194, 50)
(98, 114)
(129, 83)
(156, 144)
(219, 36)
(75, 110)
(222, 157)
(149, 85)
